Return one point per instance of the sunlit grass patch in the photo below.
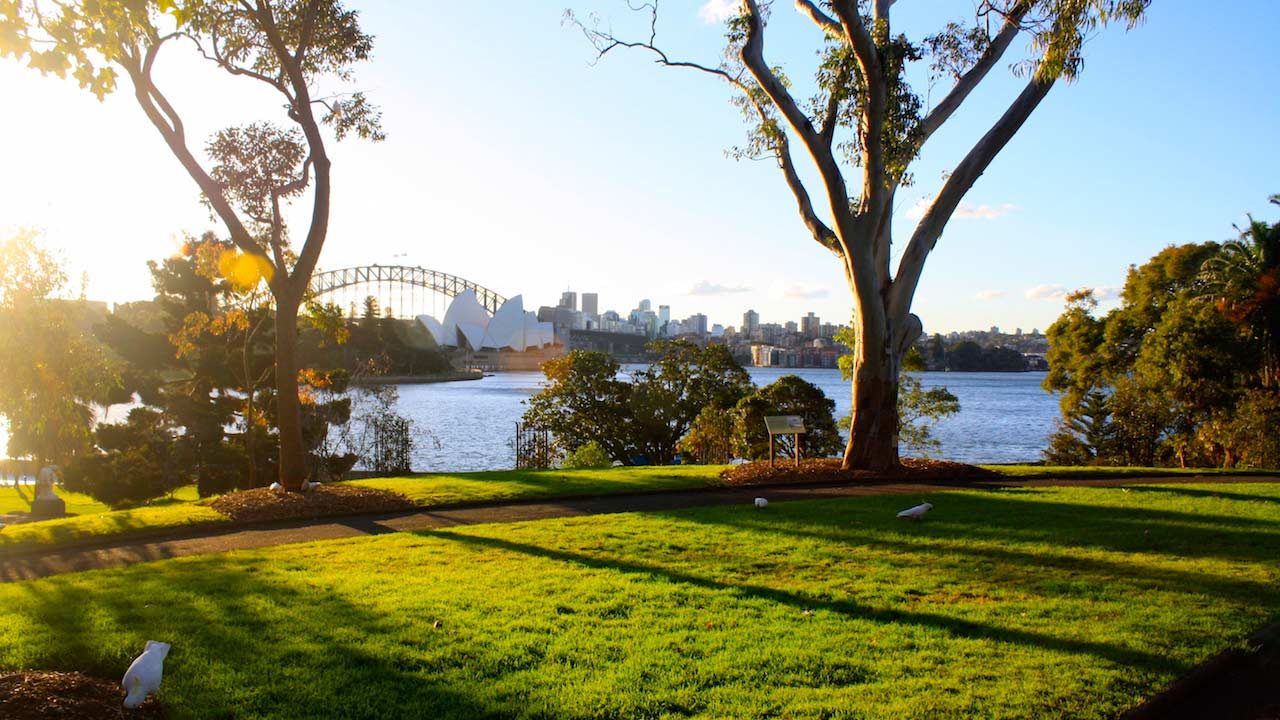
(1045, 602)
(82, 528)
(437, 489)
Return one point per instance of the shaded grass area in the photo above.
(435, 489)
(1027, 472)
(1036, 602)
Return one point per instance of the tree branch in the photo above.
(970, 79)
(150, 99)
(874, 185)
(300, 111)
(833, 180)
(819, 18)
(953, 190)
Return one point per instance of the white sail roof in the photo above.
(434, 327)
(464, 309)
(506, 329)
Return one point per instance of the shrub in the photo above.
(712, 439)
(141, 461)
(788, 395)
(590, 455)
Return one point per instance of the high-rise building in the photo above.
(664, 314)
(590, 303)
(810, 326)
(750, 322)
(569, 300)
(696, 323)
(645, 306)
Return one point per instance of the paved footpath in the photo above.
(200, 541)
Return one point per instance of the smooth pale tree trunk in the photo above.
(873, 426)
(293, 466)
(873, 430)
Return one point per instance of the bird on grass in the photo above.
(915, 513)
(143, 676)
(761, 502)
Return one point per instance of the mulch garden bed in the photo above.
(827, 470)
(72, 696)
(265, 504)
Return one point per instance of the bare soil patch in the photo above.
(265, 504)
(827, 470)
(68, 695)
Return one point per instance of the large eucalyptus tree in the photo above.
(247, 174)
(862, 131)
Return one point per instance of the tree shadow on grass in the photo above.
(1026, 570)
(1201, 493)
(243, 646)
(957, 627)
(1002, 518)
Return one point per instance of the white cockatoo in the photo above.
(761, 502)
(143, 676)
(915, 513)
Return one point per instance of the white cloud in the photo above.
(801, 291)
(1047, 292)
(964, 211)
(717, 11)
(984, 212)
(1108, 292)
(709, 288)
(990, 294)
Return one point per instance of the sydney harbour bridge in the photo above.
(404, 291)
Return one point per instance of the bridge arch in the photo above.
(330, 281)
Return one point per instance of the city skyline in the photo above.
(665, 213)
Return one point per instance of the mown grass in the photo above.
(19, 499)
(442, 489)
(1044, 602)
(433, 490)
(1028, 472)
(84, 528)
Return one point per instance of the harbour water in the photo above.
(470, 425)
(1004, 417)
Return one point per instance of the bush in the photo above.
(586, 456)
(788, 395)
(712, 439)
(141, 461)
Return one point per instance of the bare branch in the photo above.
(970, 80)
(819, 150)
(819, 18)
(953, 190)
(874, 185)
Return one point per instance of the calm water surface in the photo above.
(1004, 417)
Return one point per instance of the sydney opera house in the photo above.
(468, 325)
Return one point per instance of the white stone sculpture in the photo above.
(915, 513)
(44, 483)
(143, 676)
(761, 502)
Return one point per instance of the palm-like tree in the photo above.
(1243, 280)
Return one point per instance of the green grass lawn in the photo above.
(1029, 472)
(96, 521)
(433, 490)
(1038, 602)
(93, 519)
(19, 499)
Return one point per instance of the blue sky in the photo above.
(513, 161)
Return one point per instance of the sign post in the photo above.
(791, 425)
